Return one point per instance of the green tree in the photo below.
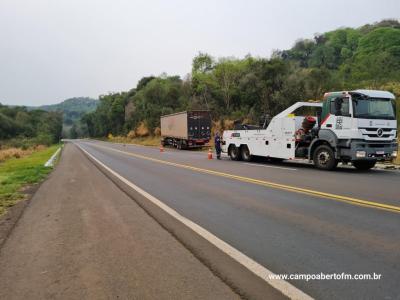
(202, 63)
(73, 133)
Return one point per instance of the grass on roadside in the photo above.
(17, 172)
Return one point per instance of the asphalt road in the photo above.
(285, 229)
(81, 237)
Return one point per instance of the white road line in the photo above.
(52, 159)
(281, 285)
(273, 167)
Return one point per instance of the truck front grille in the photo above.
(372, 133)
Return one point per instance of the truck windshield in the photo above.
(374, 108)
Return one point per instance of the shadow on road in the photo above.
(309, 166)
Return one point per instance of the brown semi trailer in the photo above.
(188, 129)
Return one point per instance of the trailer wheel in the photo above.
(234, 152)
(244, 150)
(364, 165)
(324, 158)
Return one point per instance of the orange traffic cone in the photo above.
(161, 148)
(209, 153)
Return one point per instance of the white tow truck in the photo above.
(357, 127)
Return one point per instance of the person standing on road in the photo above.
(217, 143)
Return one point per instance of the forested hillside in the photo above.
(232, 88)
(20, 127)
(26, 126)
(73, 109)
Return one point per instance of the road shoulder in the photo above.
(82, 237)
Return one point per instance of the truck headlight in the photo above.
(361, 154)
(394, 153)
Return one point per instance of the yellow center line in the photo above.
(285, 187)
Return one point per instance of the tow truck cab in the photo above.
(360, 126)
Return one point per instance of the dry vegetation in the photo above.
(13, 152)
(144, 141)
(140, 136)
(142, 130)
(221, 125)
(18, 152)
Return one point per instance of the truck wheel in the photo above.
(234, 152)
(324, 158)
(364, 165)
(244, 150)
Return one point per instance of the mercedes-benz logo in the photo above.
(379, 132)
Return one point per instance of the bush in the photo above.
(131, 134)
(142, 130)
(23, 143)
(44, 139)
(157, 131)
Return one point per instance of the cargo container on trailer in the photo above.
(187, 129)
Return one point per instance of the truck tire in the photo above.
(324, 158)
(364, 164)
(245, 152)
(234, 152)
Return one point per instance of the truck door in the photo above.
(341, 110)
(199, 125)
(204, 123)
(193, 125)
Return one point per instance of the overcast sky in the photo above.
(51, 50)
